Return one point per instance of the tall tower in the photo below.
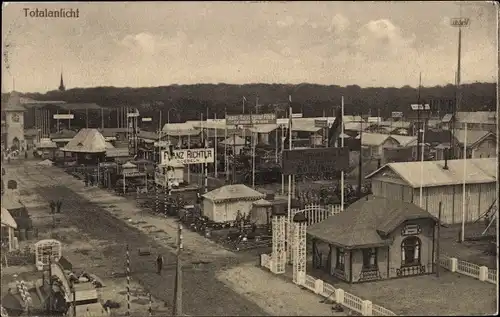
(14, 121)
(61, 84)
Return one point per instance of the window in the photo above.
(340, 259)
(369, 258)
(410, 251)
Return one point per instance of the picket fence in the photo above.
(481, 273)
(338, 295)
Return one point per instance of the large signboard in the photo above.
(318, 123)
(247, 119)
(189, 156)
(394, 155)
(64, 116)
(315, 161)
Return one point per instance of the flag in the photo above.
(336, 128)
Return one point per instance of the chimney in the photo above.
(445, 167)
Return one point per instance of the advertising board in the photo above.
(318, 123)
(247, 119)
(189, 156)
(315, 161)
(64, 116)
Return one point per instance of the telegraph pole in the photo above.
(178, 276)
(458, 23)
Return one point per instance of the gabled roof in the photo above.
(235, 140)
(447, 118)
(367, 222)
(373, 139)
(87, 141)
(403, 139)
(233, 192)
(180, 129)
(473, 136)
(129, 165)
(486, 117)
(148, 135)
(117, 152)
(63, 134)
(478, 171)
(46, 144)
(7, 219)
(264, 128)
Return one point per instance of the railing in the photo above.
(492, 276)
(481, 273)
(467, 268)
(265, 260)
(328, 291)
(381, 311)
(353, 302)
(310, 283)
(335, 209)
(444, 261)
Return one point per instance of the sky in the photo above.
(149, 44)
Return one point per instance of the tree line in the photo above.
(188, 102)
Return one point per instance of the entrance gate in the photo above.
(316, 213)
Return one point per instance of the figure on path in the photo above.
(58, 205)
(159, 263)
(52, 205)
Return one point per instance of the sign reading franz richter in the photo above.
(189, 156)
(315, 161)
(251, 119)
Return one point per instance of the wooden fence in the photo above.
(481, 273)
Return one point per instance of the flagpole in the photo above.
(289, 238)
(215, 145)
(253, 153)
(342, 145)
(244, 134)
(421, 166)
(463, 186)
(282, 149)
(225, 144)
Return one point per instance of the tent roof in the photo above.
(233, 192)
(87, 141)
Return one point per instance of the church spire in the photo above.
(61, 84)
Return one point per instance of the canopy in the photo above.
(7, 219)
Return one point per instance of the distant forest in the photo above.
(187, 102)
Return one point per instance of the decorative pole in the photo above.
(128, 281)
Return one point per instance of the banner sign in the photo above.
(420, 107)
(315, 161)
(189, 156)
(258, 118)
(132, 114)
(66, 116)
(321, 123)
(147, 119)
(397, 114)
(296, 115)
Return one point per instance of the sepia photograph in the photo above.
(249, 158)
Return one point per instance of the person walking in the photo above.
(58, 205)
(159, 264)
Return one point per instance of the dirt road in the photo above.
(213, 279)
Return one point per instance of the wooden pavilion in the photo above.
(375, 238)
(88, 146)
